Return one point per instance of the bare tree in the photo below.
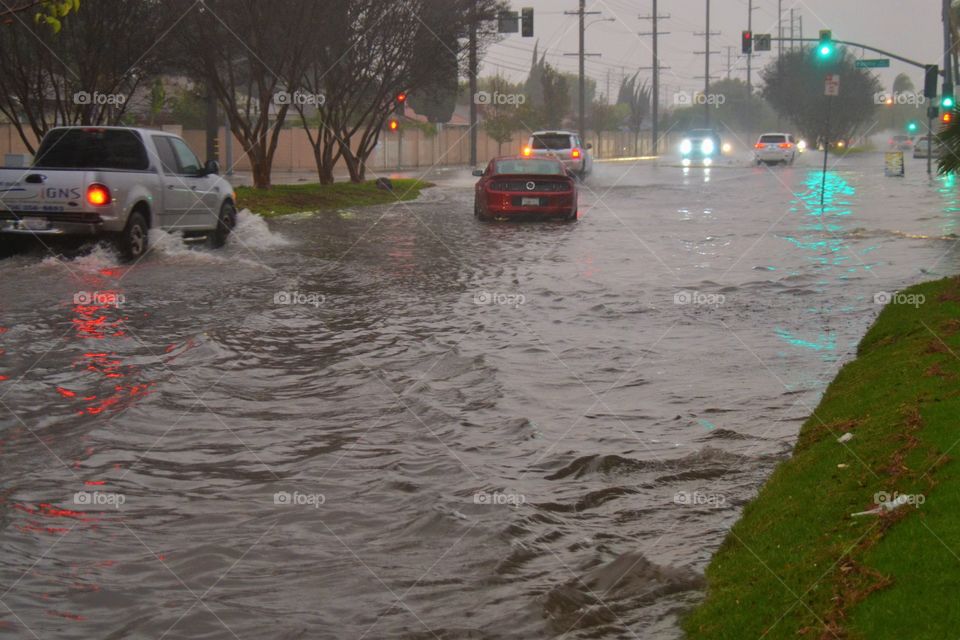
(252, 55)
(369, 52)
(85, 74)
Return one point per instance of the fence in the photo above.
(411, 148)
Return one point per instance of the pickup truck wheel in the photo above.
(225, 224)
(132, 242)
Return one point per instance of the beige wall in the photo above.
(450, 146)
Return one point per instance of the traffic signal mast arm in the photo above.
(858, 46)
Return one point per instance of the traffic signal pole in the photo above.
(473, 83)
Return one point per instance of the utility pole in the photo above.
(656, 33)
(729, 60)
(582, 113)
(780, 28)
(791, 29)
(473, 83)
(947, 44)
(749, 55)
(706, 66)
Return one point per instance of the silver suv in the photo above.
(565, 146)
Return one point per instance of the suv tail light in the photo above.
(527, 151)
(98, 195)
(575, 153)
(785, 145)
(759, 145)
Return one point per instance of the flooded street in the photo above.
(397, 422)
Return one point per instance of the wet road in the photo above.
(399, 423)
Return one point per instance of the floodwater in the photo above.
(398, 422)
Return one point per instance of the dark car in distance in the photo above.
(514, 187)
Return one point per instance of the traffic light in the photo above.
(526, 22)
(826, 47)
(912, 126)
(394, 124)
(400, 103)
(746, 41)
(947, 117)
(947, 100)
(931, 72)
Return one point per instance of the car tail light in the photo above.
(785, 145)
(527, 151)
(575, 153)
(760, 145)
(98, 195)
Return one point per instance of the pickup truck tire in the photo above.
(132, 242)
(225, 224)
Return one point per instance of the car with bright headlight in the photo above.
(702, 145)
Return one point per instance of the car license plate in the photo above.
(530, 202)
(34, 224)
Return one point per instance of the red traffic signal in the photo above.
(947, 117)
(746, 42)
(394, 124)
(402, 97)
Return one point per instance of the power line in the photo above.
(655, 33)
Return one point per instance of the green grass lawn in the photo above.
(797, 565)
(285, 199)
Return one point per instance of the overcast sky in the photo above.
(910, 28)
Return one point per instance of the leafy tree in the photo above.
(607, 117)
(636, 98)
(556, 96)
(501, 119)
(794, 85)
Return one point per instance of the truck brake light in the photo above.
(98, 195)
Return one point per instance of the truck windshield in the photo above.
(117, 149)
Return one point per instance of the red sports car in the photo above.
(512, 187)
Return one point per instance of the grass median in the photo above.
(798, 564)
(284, 199)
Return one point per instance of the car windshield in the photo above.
(701, 133)
(116, 149)
(551, 141)
(901, 138)
(535, 167)
(773, 139)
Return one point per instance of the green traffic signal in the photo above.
(947, 102)
(912, 127)
(825, 48)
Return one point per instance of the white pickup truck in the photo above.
(118, 183)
